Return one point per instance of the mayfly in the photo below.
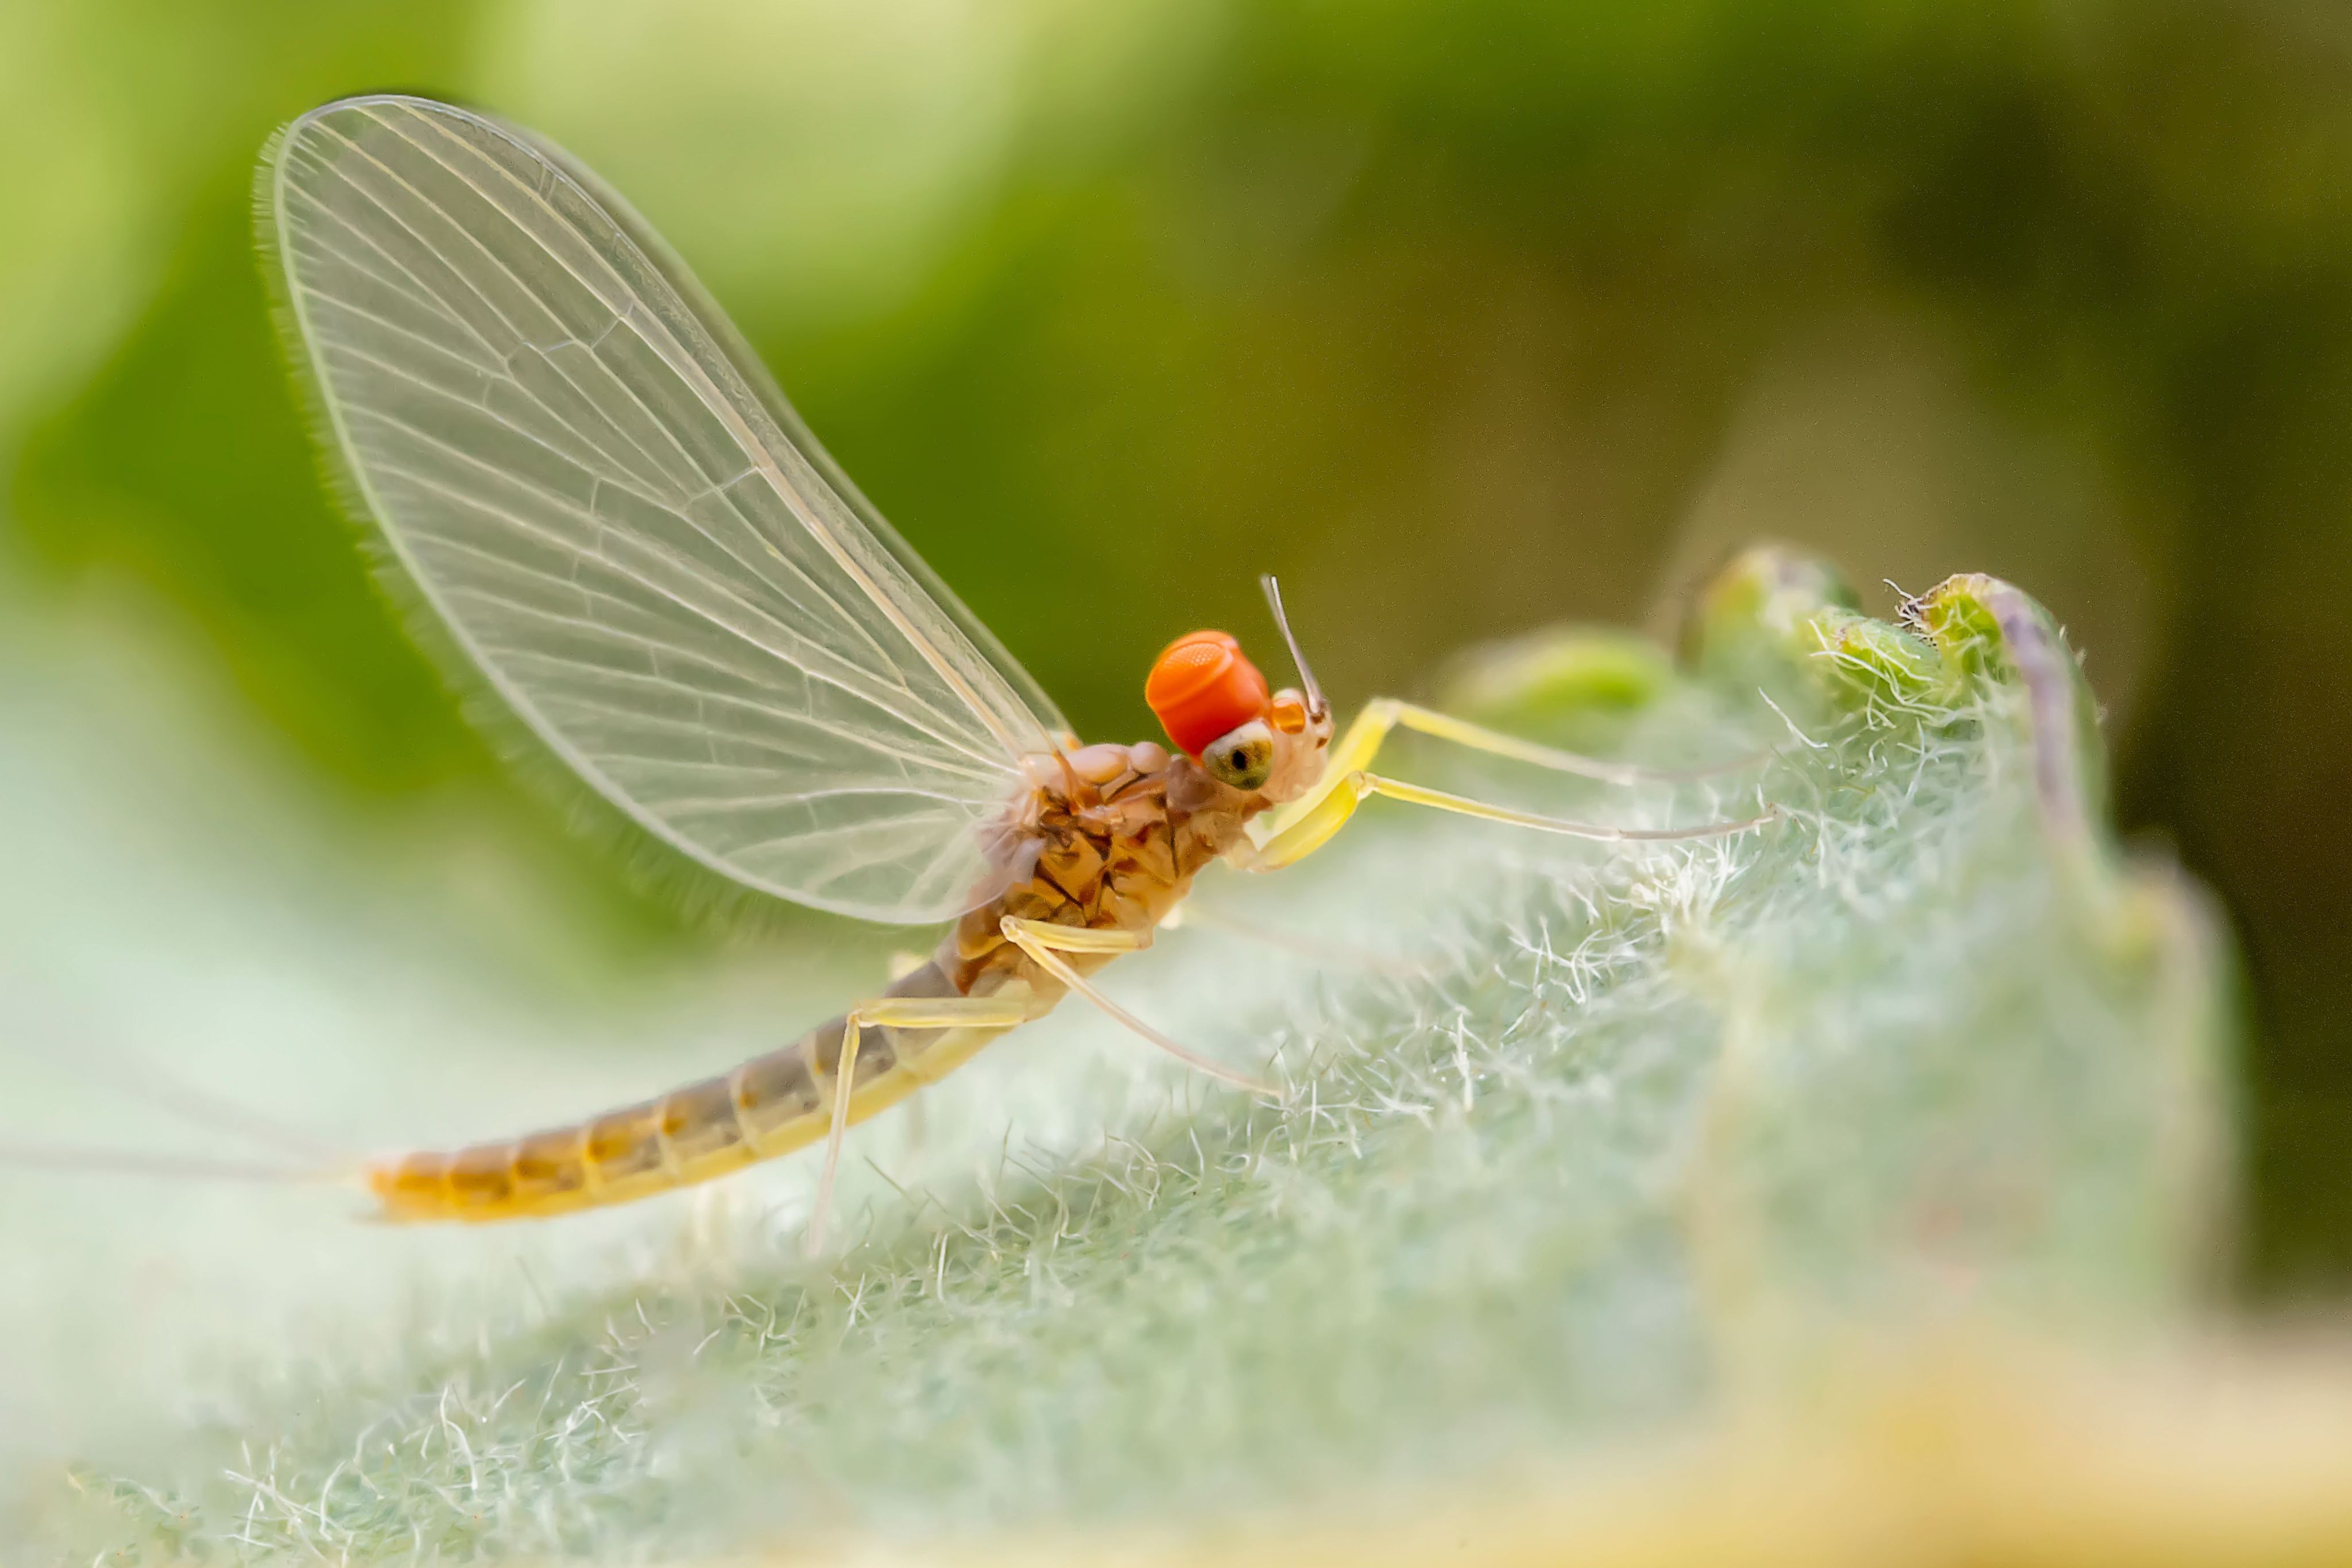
(611, 509)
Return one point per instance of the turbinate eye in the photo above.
(1244, 758)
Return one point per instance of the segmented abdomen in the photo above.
(768, 1106)
(1119, 863)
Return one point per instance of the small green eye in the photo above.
(1241, 758)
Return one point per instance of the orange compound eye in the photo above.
(1201, 687)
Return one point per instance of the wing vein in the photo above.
(659, 339)
(626, 314)
(837, 673)
(627, 529)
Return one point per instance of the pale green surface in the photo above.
(1632, 1130)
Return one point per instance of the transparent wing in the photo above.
(623, 523)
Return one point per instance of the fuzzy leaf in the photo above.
(1597, 1137)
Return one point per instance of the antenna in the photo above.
(1315, 703)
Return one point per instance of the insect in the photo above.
(608, 505)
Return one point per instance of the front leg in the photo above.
(1302, 833)
(1383, 716)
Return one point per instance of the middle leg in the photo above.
(1046, 942)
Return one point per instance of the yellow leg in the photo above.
(845, 1075)
(1305, 833)
(1044, 943)
(1383, 716)
(892, 1012)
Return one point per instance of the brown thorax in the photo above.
(1110, 837)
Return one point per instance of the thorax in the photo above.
(1108, 836)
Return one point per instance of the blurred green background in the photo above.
(1464, 317)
